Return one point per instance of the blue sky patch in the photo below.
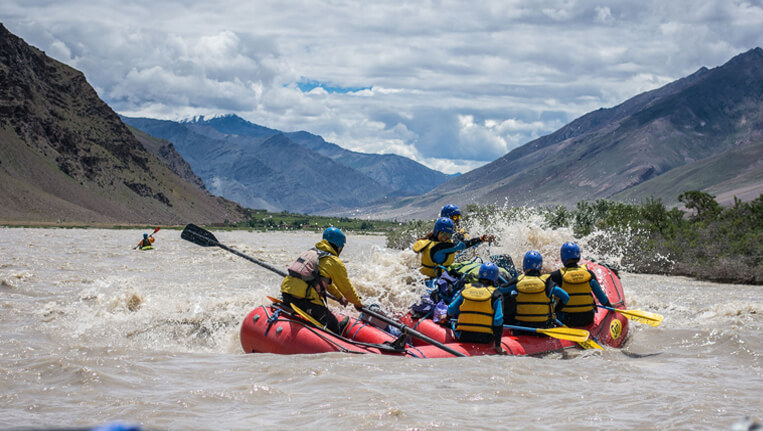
(307, 85)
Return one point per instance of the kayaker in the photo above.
(308, 281)
(453, 212)
(147, 241)
(478, 309)
(438, 250)
(579, 282)
(531, 294)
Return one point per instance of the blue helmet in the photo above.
(145, 235)
(449, 211)
(334, 236)
(488, 271)
(532, 260)
(443, 224)
(570, 250)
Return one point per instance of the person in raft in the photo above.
(478, 309)
(437, 249)
(317, 271)
(459, 234)
(579, 282)
(531, 295)
(147, 241)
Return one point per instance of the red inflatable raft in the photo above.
(270, 329)
(609, 328)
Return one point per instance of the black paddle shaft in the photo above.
(205, 238)
(407, 330)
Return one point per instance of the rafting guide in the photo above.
(315, 273)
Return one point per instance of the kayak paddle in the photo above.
(204, 238)
(152, 234)
(645, 317)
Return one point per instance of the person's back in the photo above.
(478, 309)
(581, 284)
(308, 293)
(533, 293)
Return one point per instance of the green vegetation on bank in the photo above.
(263, 220)
(707, 241)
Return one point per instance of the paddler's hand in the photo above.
(359, 307)
(487, 238)
(343, 301)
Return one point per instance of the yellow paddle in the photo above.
(645, 317)
(308, 317)
(301, 312)
(588, 344)
(571, 334)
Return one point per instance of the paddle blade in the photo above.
(645, 317)
(590, 344)
(199, 236)
(571, 334)
(155, 231)
(307, 317)
(274, 300)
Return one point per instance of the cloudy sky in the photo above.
(451, 84)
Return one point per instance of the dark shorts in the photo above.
(318, 312)
(577, 319)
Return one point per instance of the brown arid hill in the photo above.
(702, 132)
(66, 157)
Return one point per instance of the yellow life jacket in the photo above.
(576, 282)
(533, 303)
(426, 247)
(477, 311)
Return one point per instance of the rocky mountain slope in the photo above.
(702, 132)
(266, 168)
(65, 156)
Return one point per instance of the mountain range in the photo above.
(260, 167)
(703, 132)
(65, 156)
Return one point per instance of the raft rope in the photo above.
(272, 319)
(381, 347)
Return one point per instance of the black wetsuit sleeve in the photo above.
(472, 242)
(556, 277)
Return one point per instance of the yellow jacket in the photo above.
(427, 248)
(331, 267)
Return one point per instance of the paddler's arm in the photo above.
(599, 292)
(341, 286)
(442, 255)
(498, 316)
(479, 240)
(498, 325)
(561, 294)
(453, 308)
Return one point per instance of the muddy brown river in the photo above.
(93, 332)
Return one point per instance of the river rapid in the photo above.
(92, 331)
